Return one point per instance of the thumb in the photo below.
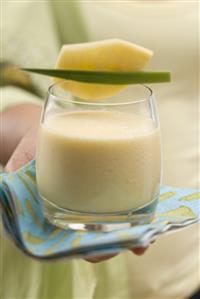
(24, 152)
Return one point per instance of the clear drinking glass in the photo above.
(98, 163)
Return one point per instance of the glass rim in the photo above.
(100, 102)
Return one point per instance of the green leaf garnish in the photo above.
(104, 77)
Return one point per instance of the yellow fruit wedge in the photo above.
(107, 55)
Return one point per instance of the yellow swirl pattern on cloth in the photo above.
(182, 211)
(190, 197)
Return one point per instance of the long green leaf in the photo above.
(104, 77)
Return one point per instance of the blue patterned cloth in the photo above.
(25, 224)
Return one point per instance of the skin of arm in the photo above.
(19, 144)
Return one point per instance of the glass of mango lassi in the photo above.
(98, 163)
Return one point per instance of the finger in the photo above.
(24, 152)
(102, 258)
(139, 250)
(15, 123)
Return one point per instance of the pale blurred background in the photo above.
(32, 33)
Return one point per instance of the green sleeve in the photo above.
(29, 37)
(11, 95)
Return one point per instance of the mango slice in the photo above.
(106, 55)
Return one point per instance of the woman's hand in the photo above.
(15, 123)
(24, 152)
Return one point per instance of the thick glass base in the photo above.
(69, 219)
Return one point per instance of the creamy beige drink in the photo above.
(98, 161)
